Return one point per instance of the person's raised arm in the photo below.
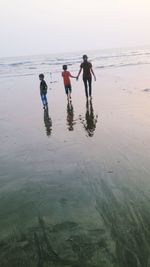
(72, 76)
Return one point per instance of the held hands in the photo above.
(78, 78)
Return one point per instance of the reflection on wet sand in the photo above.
(127, 218)
(47, 121)
(70, 116)
(77, 201)
(120, 237)
(90, 120)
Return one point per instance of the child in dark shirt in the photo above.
(43, 90)
(67, 83)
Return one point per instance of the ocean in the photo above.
(52, 63)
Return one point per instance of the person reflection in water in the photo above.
(47, 121)
(70, 116)
(90, 119)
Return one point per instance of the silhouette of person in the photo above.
(70, 116)
(47, 121)
(90, 119)
(86, 66)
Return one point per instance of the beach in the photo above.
(75, 179)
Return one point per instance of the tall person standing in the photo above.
(87, 76)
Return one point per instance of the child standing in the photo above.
(67, 83)
(43, 90)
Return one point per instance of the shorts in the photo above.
(68, 88)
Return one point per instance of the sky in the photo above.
(50, 26)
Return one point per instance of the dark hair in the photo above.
(64, 67)
(41, 76)
(85, 57)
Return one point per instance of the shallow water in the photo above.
(74, 183)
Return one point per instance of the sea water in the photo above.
(52, 63)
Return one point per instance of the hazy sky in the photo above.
(47, 26)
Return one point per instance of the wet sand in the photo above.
(74, 180)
